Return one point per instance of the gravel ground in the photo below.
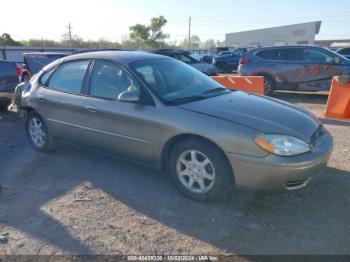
(73, 201)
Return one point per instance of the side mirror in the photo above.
(336, 60)
(130, 96)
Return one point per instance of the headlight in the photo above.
(281, 145)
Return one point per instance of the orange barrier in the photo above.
(252, 84)
(338, 104)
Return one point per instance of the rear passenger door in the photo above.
(60, 102)
(122, 128)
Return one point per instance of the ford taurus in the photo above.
(165, 114)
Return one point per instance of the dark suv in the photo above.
(307, 68)
(8, 81)
(34, 62)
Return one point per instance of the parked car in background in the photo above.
(34, 62)
(344, 52)
(8, 81)
(164, 114)
(228, 61)
(204, 58)
(307, 68)
(184, 56)
(224, 53)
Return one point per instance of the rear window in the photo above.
(345, 51)
(269, 54)
(8, 68)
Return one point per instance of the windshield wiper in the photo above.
(186, 99)
(215, 90)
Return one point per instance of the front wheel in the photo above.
(201, 171)
(38, 134)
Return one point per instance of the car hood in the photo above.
(264, 114)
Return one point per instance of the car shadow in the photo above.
(313, 220)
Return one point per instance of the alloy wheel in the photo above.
(195, 171)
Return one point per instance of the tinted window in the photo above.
(291, 54)
(269, 54)
(184, 58)
(69, 77)
(239, 52)
(109, 79)
(316, 56)
(345, 51)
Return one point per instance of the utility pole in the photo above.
(70, 33)
(189, 33)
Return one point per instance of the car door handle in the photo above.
(91, 109)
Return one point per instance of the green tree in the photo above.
(149, 35)
(6, 39)
(140, 34)
(157, 36)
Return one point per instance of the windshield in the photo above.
(174, 81)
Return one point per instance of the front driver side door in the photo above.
(317, 69)
(122, 128)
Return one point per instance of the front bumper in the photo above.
(282, 173)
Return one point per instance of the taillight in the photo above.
(18, 70)
(244, 60)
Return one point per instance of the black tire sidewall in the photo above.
(272, 84)
(224, 180)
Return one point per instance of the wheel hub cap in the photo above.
(195, 171)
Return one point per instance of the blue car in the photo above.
(229, 61)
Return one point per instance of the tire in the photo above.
(269, 86)
(221, 182)
(36, 127)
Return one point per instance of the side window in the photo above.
(269, 54)
(315, 56)
(108, 80)
(45, 77)
(345, 51)
(291, 54)
(69, 77)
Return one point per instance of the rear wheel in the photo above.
(201, 171)
(38, 134)
(269, 86)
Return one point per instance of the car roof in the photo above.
(287, 46)
(45, 53)
(125, 57)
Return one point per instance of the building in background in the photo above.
(334, 43)
(282, 35)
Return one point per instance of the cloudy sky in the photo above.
(110, 19)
